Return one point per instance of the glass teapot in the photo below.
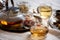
(10, 20)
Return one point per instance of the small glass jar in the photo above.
(23, 7)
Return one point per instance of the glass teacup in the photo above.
(38, 32)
